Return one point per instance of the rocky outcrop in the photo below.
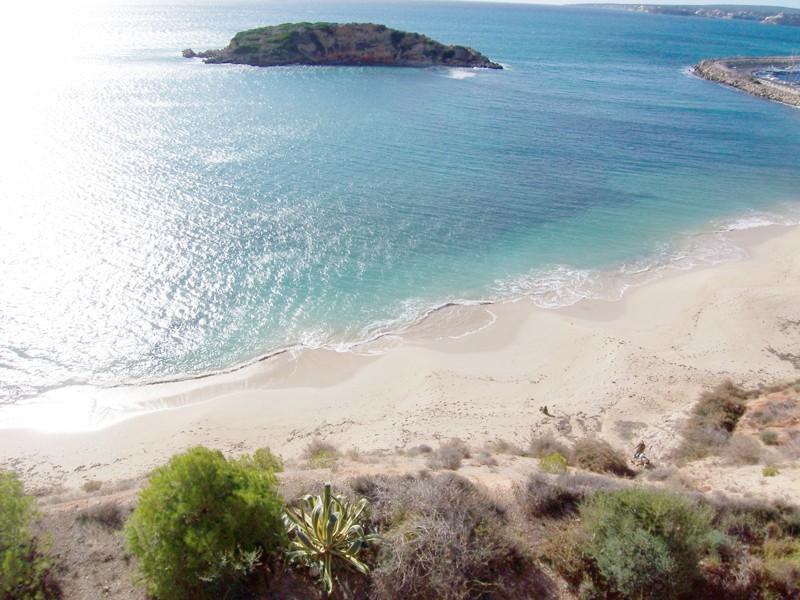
(357, 44)
(743, 74)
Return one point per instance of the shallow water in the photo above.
(164, 219)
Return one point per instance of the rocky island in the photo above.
(772, 77)
(351, 44)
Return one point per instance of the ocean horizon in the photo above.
(166, 220)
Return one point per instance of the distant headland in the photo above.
(769, 15)
(772, 77)
(351, 44)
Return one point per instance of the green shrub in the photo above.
(321, 454)
(553, 464)
(770, 471)
(769, 437)
(262, 460)
(24, 568)
(645, 543)
(202, 523)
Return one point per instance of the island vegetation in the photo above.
(353, 44)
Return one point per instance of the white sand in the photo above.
(625, 369)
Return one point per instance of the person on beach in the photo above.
(639, 450)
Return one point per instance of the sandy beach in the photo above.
(624, 369)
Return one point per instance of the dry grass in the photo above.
(485, 459)
(449, 456)
(599, 456)
(775, 412)
(109, 513)
(417, 450)
(554, 497)
(321, 454)
(540, 446)
(713, 419)
(92, 486)
(501, 446)
(445, 537)
(744, 450)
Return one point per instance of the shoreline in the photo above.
(85, 407)
(605, 367)
(742, 74)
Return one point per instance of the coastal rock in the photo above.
(744, 74)
(353, 44)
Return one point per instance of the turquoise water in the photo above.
(164, 219)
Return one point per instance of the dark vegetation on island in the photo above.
(584, 524)
(351, 44)
(769, 15)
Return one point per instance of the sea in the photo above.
(164, 220)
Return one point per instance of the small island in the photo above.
(775, 78)
(350, 44)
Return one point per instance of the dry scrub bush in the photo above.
(109, 514)
(445, 458)
(92, 486)
(501, 446)
(790, 448)
(762, 556)
(743, 450)
(417, 450)
(485, 459)
(556, 496)
(449, 455)
(444, 537)
(713, 419)
(540, 446)
(320, 454)
(731, 573)
(599, 456)
(662, 473)
(775, 412)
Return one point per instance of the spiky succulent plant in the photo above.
(325, 528)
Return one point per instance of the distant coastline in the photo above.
(768, 15)
(754, 75)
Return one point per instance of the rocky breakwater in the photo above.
(748, 75)
(353, 44)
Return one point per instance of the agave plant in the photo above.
(327, 527)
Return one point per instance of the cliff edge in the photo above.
(353, 44)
